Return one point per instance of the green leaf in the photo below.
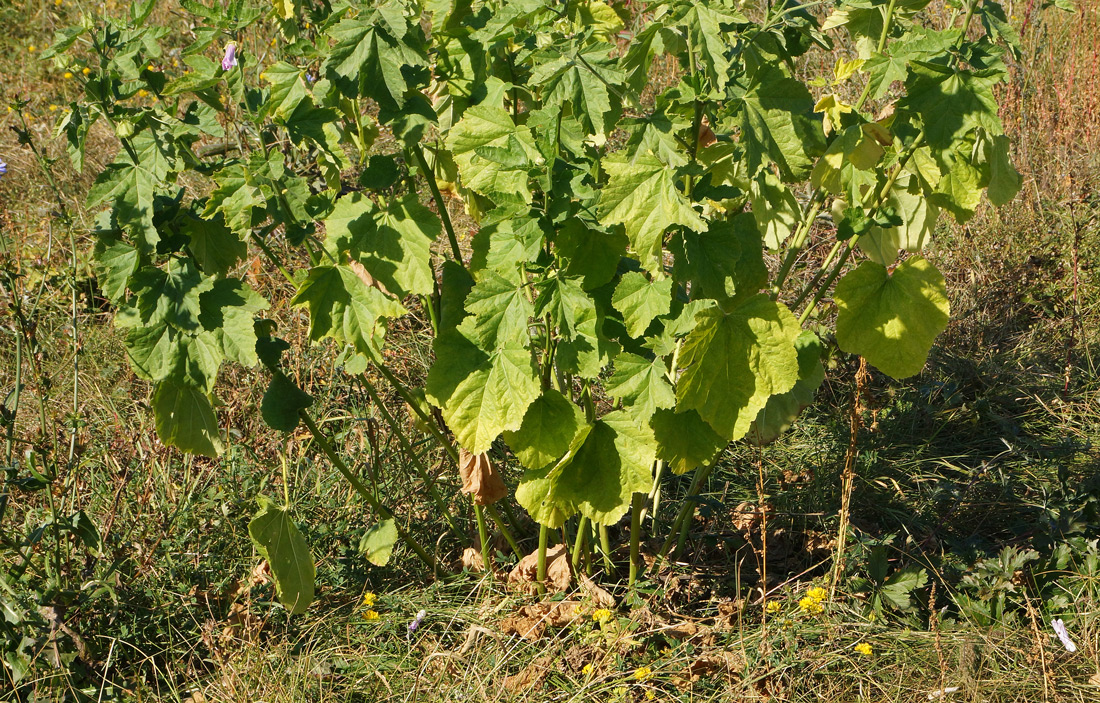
(215, 247)
(589, 253)
(775, 209)
(115, 261)
(373, 55)
(641, 301)
(279, 541)
(481, 394)
(170, 295)
(777, 123)
(488, 126)
(782, 410)
(1004, 180)
(641, 383)
(342, 306)
(918, 217)
(951, 102)
(130, 184)
(898, 589)
(734, 361)
(288, 88)
(597, 477)
(185, 419)
(234, 198)
(501, 311)
(549, 426)
(642, 195)
(582, 79)
(377, 544)
(393, 244)
(725, 261)
(281, 403)
(684, 440)
(891, 319)
(505, 246)
(228, 315)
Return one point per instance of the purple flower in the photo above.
(3, 167)
(230, 58)
(416, 622)
(1060, 630)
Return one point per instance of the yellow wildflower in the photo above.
(32, 48)
(818, 593)
(811, 606)
(58, 3)
(650, 695)
(587, 669)
(772, 607)
(143, 93)
(601, 615)
(864, 649)
(53, 108)
(369, 599)
(85, 70)
(371, 615)
(68, 74)
(643, 673)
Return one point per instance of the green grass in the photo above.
(993, 445)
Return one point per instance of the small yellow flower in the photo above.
(371, 615)
(143, 93)
(369, 599)
(864, 649)
(68, 74)
(643, 673)
(274, 41)
(587, 669)
(32, 48)
(85, 70)
(773, 607)
(58, 3)
(601, 615)
(53, 108)
(650, 695)
(811, 606)
(818, 593)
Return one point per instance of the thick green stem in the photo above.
(440, 204)
(578, 545)
(483, 534)
(605, 547)
(495, 516)
(798, 241)
(365, 493)
(682, 523)
(540, 573)
(638, 502)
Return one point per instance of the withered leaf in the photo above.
(480, 478)
(559, 575)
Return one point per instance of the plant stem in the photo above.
(881, 45)
(414, 458)
(366, 495)
(540, 573)
(495, 516)
(483, 534)
(681, 524)
(638, 501)
(441, 205)
(798, 241)
(578, 545)
(605, 547)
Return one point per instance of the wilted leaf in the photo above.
(559, 574)
(480, 478)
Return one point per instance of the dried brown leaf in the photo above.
(480, 478)
(359, 270)
(472, 560)
(559, 575)
(599, 596)
(530, 676)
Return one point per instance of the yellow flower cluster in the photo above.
(371, 615)
(369, 599)
(813, 601)
(772, 607)
(601, 615)
(864, 649)
(643, 673)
